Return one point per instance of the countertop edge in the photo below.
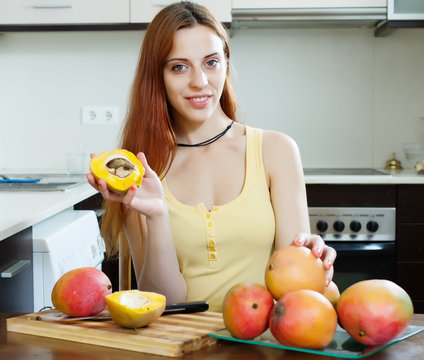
(64, 201)
(396, 179)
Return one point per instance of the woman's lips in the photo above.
(199, 101)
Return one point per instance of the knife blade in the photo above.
(181, 308)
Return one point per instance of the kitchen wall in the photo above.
(348, 99)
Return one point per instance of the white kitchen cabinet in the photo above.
(64, 11)
(308, 13)
(300, 4)
(143, 11)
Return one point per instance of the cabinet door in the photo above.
(410, 207)
(16, 269)
(64, 11)
(409, 242)
(302, 4)
(143, 11)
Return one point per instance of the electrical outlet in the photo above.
(100, 115)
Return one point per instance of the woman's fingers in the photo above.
(313, 242)
(148, 172)
(329, 257)
(329, 273)
(129, 196)
(92, 181)
(320, 250)
(106, 193)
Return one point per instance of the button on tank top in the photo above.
(231, 243)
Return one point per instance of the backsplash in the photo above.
(347, 98)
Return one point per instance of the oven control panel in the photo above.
(353, 223)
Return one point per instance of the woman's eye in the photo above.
(212, 62)
(178, 67)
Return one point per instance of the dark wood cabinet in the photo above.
(410, 242)
(410, 204)
(351, 195)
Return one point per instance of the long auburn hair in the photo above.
(149, 125)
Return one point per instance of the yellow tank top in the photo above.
(231, 243)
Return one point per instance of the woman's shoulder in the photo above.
(274, 143)
(280, 151)
(278, 141)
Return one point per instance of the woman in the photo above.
(227, 194)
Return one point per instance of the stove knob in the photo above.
(339, 226)
(322, 226)
(355, 226)
(372, 226)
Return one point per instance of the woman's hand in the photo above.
(148, 199)
(320, 250)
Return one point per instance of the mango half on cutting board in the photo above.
(120, 168)
(135, 308)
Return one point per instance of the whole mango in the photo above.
(332, 293)
(246, 310)
(304, 319)
(81, 292)
(294, 268)
(374, 311)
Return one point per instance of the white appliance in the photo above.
(65, 241)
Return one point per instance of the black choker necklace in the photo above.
(211, 140)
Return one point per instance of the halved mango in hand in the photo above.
(120, 168)
(134, 308)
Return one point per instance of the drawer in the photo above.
(16, 281)
(410, 206)
(64, 11)
(351, 195)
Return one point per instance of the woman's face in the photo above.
(194, 74)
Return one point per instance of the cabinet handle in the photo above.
(52, 6)
(15, 269)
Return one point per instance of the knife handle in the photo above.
(186, 308)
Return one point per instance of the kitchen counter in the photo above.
(406, 176)
(19, 346)
(22, 209)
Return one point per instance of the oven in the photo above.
(364, 238)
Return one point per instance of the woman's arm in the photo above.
(154, 258)
(284, 171)
(152, 246)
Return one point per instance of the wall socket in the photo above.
(100, 115)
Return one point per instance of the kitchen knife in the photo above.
(186, 308)
(182, 308)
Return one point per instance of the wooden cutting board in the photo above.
(171, 335)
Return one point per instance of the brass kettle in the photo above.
(393, 163)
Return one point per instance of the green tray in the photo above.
(342, 345)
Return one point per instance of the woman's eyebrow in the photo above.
(213, 54)
(185, 59)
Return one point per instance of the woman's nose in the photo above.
(198, 79)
